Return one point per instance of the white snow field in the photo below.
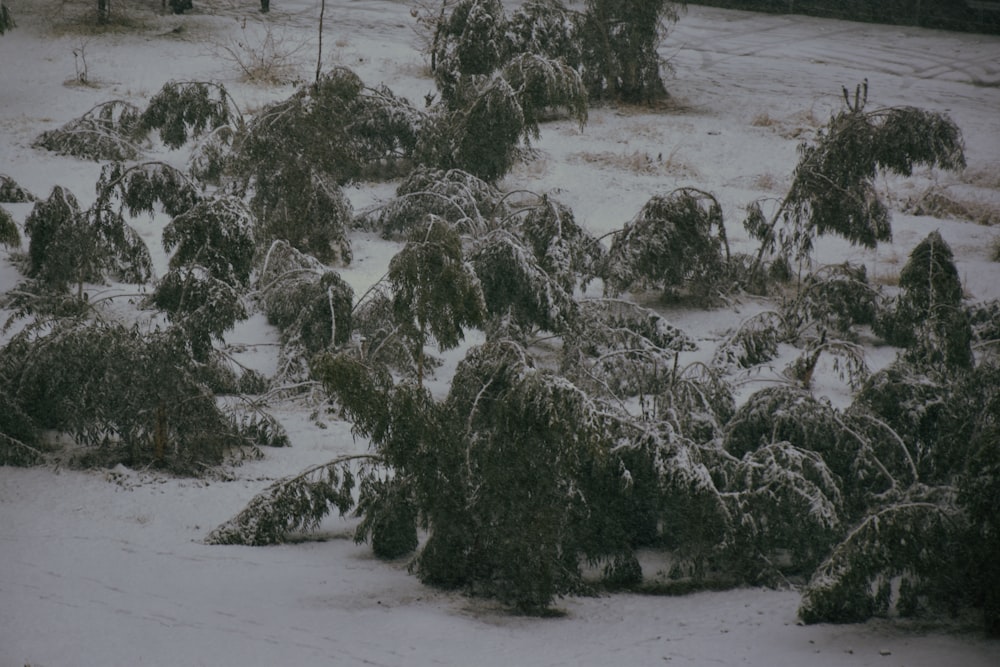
(108, 568)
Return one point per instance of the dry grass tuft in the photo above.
(639, 162)
(937, 203)
(766, 182)
(763, 119)
(983, 177)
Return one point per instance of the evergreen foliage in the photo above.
(516, 288)
(109, 131)
(927, 317)
(620, 39)
(619, 349)
(6, 20)
(12, 193)
(70, 246)
(467, 203)
(19, 435)
(9, 234)
(202, 305)
(470, 41)
(753, 343)
(142, 187)
(493, 97)
(435, 293)
(833, 185)
(565, 251)
(907, 547)
(131, 397)
(297, 153)
(979, 495)
(183, 110)
(523, 440)
(676, 241)
(310, 305)
(293, 504)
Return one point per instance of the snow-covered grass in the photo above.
(109, 568)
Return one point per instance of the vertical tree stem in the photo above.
(319, 50)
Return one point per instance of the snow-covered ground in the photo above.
(107, 567)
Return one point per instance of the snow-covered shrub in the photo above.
(516, 288)
(6, 20)
(109, 131)
(833, 185)
(564, 250)
(548, 28)
(184, 110)
(297, 153)
(919, 406)
(984, 319)
(789, 414)
(336, 127)
(467, 203)
(141, 188)
(833, 300)
(676, 241)
(390, 515)
(506, 525)
(899, 559)
(130, 397)
(620, 349)
(620, 41)
(12, 193)
(787, 498)
(309, 304)
(698, 402)
(69, 246)
(928, 318)
(9, 235)
(754, 342)
(470, 41)
(19, 435)
(979, 496)
(202, 305)
(217, 234)
(435, 293)
(492, 96)
(292, 504)
(307, 209)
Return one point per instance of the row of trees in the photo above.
(572, 435)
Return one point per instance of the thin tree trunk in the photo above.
(319, 50)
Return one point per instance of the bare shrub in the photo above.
(262, 54)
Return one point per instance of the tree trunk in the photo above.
(103, 11)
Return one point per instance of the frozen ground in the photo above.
(107, 568)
